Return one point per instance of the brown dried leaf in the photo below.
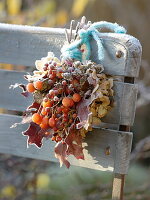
(61, 154)
(74, 142)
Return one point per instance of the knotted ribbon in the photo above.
(73, 50)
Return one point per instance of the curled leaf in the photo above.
(60, 153)
(35, 134)
(87, 92)
(83, 113)
(74, 142)
(34, 107)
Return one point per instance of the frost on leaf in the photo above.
(83, 113)
(74, 142)
(69, 98)
(34, 134)
(60, 153)
(25, 119)
(33, 108)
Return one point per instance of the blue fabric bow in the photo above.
(73, 51)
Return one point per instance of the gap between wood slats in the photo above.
(10, 112)
(96, 145)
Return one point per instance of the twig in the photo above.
(71, 28)
(77, 29)
(141, 148)
(67, 35)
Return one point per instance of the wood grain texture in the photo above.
(96, 146)
(11, 99)
(122, 156)
(118, 186)
(122, 112)
(22, 45)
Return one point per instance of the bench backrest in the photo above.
(105, 149)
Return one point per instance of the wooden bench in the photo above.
(106, 149)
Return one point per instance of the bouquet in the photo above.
(71, 95)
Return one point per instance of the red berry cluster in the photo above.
(57, 110)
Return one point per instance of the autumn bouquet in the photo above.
(71, 96)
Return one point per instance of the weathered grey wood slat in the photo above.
(22, 45)
(11, 99)
(122, 112)
(12, 142)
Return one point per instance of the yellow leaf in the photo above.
(8, 66)
(61, 17)
(14, 6)
(49, 6)
(2, 6)
(2, 110)
(102, 111)
(43, 181)
(79, 7)
(105, 100)
(44, 8)
(8, 191)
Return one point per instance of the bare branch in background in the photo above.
(144, 85)
(142, 150)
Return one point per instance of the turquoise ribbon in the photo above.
(73, 51)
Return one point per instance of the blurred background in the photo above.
(23, 179)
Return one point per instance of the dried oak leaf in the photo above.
(25, 93)
(83, 113)
(83, 110)
(35, 134)
(60, 153)
(74, 142)
(33, 107)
